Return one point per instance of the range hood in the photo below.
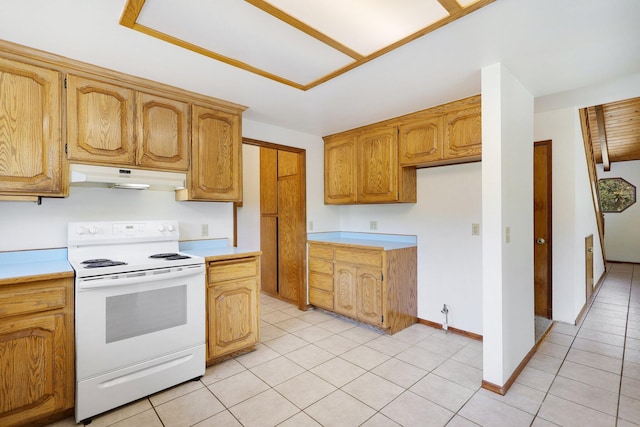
(136, 179)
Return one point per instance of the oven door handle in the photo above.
(134, 277)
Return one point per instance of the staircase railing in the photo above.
(593, 177)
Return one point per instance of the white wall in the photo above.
(449, 257)
(507, 210)
(449, 200)
(25, 225)
(622, 229)
(572, 211)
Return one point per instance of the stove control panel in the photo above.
(98, 232)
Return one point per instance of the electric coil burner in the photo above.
(140, 312)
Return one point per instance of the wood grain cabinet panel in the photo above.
(233, 311)
(36, 344)
(162, 126)
(421, 141)
(374, 286)
(31, 146)
(100, 125)
(340, 169)
(344, 288)
(463, 134)
(216, 156)
(378, 165)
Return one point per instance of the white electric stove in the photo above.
(140, 312)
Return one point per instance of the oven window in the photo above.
(139, 313)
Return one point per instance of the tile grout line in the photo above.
(580, 323)
(624, 345)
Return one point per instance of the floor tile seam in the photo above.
(564, 359)
(624, 348)
(582, 404)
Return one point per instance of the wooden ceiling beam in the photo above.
(602, 133)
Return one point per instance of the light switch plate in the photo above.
(373, 225)
(475, 229)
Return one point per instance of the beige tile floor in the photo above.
(313, 369)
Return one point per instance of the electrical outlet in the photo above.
(373, 225)
(204, 230)
(310, 225)
(475, 229)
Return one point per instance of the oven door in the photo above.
(138, 317)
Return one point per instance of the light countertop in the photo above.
(373, 240)
(42, 262)
(215, 249)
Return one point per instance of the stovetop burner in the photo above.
(98, 263)
(170, 256)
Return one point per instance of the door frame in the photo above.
(302, 291)
(549, 224)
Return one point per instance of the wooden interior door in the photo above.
(283, 223)
(269, 219)
(542, 228)
(588, 262)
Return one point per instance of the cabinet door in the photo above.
(369, 296)
(99, 122)
(340, 170)
(233, 316)
(421, 142)
(378, 165)
(463, 134)
(31, 148)
(162, 127)
(36, 350)
(344, 290)
(216, 167)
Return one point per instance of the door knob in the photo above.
(540, 241)
(590, 250)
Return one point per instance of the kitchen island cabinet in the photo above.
(36, 338)
(357, 276)
(31, 146)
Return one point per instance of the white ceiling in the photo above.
(550, 45)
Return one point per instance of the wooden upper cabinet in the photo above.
(420, 141)
(118, 126)
(216, 167)
(162, 127)
(340, 169)
(100, 122)
(31, 146)
(463, 134)
(362, 167)
(378, 165)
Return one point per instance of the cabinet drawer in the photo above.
(370, 258)
(321, 281)
(320, 266)
(320, 298)
(320, 251)
(31, 299)
(220, 271)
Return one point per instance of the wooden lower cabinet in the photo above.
(233, 313)
(372, 285)
(36, 351)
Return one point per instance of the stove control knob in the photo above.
(92, 230)
(170, 227)
(80, 230)
(161, 227)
